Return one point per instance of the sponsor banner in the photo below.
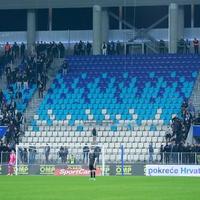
(172, 170)
(47, 169)
(107, 169)
(75, 171)
(128, 170)
(22, 170)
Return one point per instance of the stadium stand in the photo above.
(26, 94)
(129, 99)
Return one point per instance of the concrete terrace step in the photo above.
(35, 101)
(195, 97)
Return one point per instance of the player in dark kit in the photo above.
(92, 164)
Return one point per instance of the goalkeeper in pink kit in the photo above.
(11, 163)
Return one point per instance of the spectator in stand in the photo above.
(112, 48)
(184, 107)
(108, 48)
(61, 50)
(55, 50)
(47, 152)
(32, 153)
(161, 153)
(22, 50)
(44, 79)
(181, 45)
(8, 75)
(104, 48)
(14, 50)
(19, 81)
(196, 46)
(66, 152)
(88, 48)
(25, 80)
(162, 46)
(94, 135)
(174, 152)
(7, 49)
(18, 97)
(168, 134)
(81, 48)
(177, 129)
(167, 151)
(187, 46)
(118, 48)
(187, 121)
(40, 88)
(191, 109)
(97, 152)
(151, 151)
(76, 52)
(1, 97)
(65, 67)
(85, 153)
(61, 154)
(25, 154)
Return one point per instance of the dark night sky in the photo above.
(81, 19)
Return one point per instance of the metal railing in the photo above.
(179, 158)
(174, 158)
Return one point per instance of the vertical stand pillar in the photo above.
(173, 27)
(31, 28)
(96, 30)
(105, 25)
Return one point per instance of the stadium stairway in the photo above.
(35, 101)
(195, 97)
(130, 100)
(26, 93)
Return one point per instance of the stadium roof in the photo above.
(36, 4)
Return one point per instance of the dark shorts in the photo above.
(91, 167)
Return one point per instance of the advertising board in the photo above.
(172, 170)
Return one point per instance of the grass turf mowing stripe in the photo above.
(104, 188)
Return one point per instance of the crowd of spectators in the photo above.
(184, 46)
(13, 120)
(170, 153)
(31, 70)
(176, 136)
(109, 48)
(11, 117)
(52, 49)
(82, 48)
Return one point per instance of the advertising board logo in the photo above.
(75, 171)
(22, 170)
(145, 170)
(172, 170)
(47, 169)
(127, 170)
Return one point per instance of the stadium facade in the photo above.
(101, 15)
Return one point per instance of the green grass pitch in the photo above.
(104, 188)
